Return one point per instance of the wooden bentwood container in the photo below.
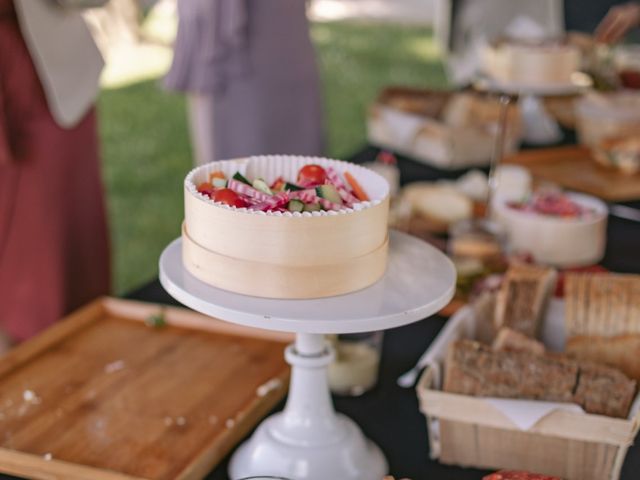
(285, 255)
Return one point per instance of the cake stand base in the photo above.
(353, 457)
(308, 440)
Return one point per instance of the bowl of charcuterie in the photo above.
(563, 229)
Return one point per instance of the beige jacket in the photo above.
(64, 54)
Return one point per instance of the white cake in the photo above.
(534, 65)
(283, 254)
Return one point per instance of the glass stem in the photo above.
(498, 150)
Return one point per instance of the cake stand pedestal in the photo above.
(540, 128)
(308, 440)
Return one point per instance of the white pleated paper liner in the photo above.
(270, 167)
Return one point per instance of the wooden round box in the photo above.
(285, 255)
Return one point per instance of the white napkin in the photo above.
(524, 414)
(553, 333)
(403, 125)
(539, 127)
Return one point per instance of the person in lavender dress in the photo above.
(249, 70)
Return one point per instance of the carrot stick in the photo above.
(216, 174)
(358, 191)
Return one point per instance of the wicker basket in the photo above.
(470, 432)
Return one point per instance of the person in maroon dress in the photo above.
(54, 251)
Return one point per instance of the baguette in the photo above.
(523, 297)
(472, 368)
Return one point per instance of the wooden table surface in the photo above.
(574, 168)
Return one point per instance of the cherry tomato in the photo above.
(228, 196)
(310, 175)
(205, 188)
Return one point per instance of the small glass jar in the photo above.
(355, 368)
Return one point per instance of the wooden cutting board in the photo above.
(575, 169)
(104, 396)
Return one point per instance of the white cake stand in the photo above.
(540, 128)
(308, 440)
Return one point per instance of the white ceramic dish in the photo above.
(557, 241)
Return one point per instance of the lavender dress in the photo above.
(255, 59)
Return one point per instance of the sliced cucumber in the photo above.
(219, 182)
(312, 207)
(330, 193)
(291, 187)
(261, 185)
(238, 176)
(295, 205)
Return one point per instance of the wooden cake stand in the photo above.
(309, 440)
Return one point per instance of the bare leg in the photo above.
(200, 112)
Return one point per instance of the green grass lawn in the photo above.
(145, 141)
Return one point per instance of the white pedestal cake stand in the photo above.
(308, 440)
(540, 128)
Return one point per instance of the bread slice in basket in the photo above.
(522, 298)
(602, 319)
(602, 304)
(476, 369)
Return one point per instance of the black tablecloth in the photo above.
(389, 414)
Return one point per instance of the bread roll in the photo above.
(439, 204)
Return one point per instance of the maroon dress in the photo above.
(54, 251)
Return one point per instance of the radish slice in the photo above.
(246, 190)
(336, 181)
